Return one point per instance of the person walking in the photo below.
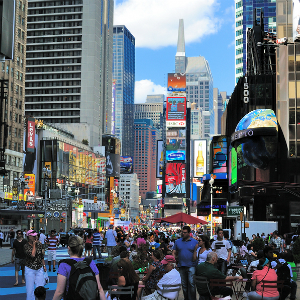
(34, 264)
(42, 238)
(18, 256)
(1, 238)
(96, 244)
(184, 248)
(88, 243)
(52, 243)
(11, 237)
(223, 250)
(111, 239)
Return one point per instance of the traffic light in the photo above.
(95, 199)
(60, 220)
(80, 201)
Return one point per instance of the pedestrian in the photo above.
(277, 241)
(1, 238)
(201, 249)
(42, 238)
(184, 248)
(223, 250)
(111, 239)
(40, 293)
(34, 264)
(11, 237)
(75, 249)
(52, 243)
(88, 243)
(97, 243)
(18, 256)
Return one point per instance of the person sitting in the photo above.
(171, 277)
(127, 277)
(264, 272)
(208, 270)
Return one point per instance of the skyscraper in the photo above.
(124, 74)
(69, 64)
(244, 10)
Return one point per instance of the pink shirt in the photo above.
(140, 241)
(265, 274)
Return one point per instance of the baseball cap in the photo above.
(31, 232)
(168, 259)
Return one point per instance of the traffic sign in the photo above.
(56, 214)
(234, 211)
(63, 214)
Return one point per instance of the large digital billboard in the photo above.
(112, 165)
(175, 178)
(176, 83)
(172, 155)
(159, 159)
(219, 154)
(126, 165)
(175, 139)
(176, 112)
(200, 158)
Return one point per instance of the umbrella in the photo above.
(183, 218)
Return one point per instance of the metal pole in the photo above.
(46, 185)
(66, 218)
(211, 211)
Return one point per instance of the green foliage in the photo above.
(258, 244)
(141, 260)
(85, 142)
(296, 250)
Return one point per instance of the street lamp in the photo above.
(46, 176)
(211, 182)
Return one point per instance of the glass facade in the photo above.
(124, 75)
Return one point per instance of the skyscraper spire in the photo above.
(180, 55)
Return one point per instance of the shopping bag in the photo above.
(46, 277)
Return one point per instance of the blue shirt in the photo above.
(96, 239)
(185, 250)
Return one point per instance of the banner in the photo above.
(176, 112)
(159, 159)
(30, 135)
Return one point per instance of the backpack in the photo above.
(283, 273)
(82, 281)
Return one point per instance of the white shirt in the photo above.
(221, 248)
(172, 277)
(42, 238)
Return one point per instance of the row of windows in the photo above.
(16, 146)
(238, 23)
(53, 24)
(54, 3)
(53, 98)
(17, 119)
(21, 34)
(53, 76)
(59, 114)
(54, 10)
(62, 120)
(54, 32)
(239, 32)
(53, 54)
(18, 103)
(21, 20)
(239, 42)
(54, 40)
(53, 91)
(21, 6)
(53, 61)
(239, 51)
(53, 47)
(53, 69)
(238, 61)
(53, 83)
(77, 17)
(53, 106)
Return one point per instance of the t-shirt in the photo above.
(140, 241)
(19, 246)
(185, 251)
(172, 277)
(42, 238)
(202, 256)
(52, 243)
(209, 271)
(96, 239)
(265, 274)
(12, 234)
(111, 238)
(64, 269)
(221, 248)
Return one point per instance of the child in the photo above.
(40, 293)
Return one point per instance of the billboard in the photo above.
(219, 154)
(30, 179)
(200, 158)
(296, 20)
(176, 112)
(172, 155)
(159, 159)
(30, 135)
(112, 165)
(126, 165)
(176, 83)
(175, 139)
(175, 178)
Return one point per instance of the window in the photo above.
(16, 103)
(20, 119)
(19, 33)
(16, 132)
(21, 62)
(17, 89)
(18, 60)
(21, 76)
(12, 72)
(23, 35)
(16, 118)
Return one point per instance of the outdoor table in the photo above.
(239, 288)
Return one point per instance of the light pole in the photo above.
(46, 175)
(66, 218)
(211, 182)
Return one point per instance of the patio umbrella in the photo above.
(183, 218)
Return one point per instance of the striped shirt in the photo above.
(97, 239)
(52, 243)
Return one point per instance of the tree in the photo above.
(85, 142)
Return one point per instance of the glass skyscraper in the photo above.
(124, 75)
(244, 10)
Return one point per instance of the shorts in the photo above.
(19, 263)
(51, 255)
(88, 246)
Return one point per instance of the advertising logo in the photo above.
(176, 82)
(30, 137)
(126, 165)
(200, 151)
(175, 155)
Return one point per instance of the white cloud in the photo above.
(146, 87)
(155, 23)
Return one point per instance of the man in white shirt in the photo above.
(42, 238)
(171, 277)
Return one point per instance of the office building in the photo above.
(13, 72)
(124, 74)
(244, 10)
(160, 98)
(69, 64)
(144, 160)
(220, 101)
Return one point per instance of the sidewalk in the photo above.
(5, 255)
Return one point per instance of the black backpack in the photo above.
(82, 281)
(283, 273)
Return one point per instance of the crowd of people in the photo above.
(170, 257)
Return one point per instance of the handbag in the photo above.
(46, 278)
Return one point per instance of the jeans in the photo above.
(11, 242)
(254, 296)
(109, 249)
(187, 281)
(96, 248)
(33, 277)
(222, 265)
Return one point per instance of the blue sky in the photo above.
(209, 32)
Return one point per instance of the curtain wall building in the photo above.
(124, 75)
(69, 64)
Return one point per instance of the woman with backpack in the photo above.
(78, 277)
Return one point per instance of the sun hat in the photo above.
(168, 259)
(31, 233)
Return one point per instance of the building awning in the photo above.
(20, 212)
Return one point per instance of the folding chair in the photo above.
(222, 283)
(167, 288)
(278, 285)
(203, 280)
(116, 291)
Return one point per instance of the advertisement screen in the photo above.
(30, 179)
(112, 165)
(219, 159)
(233, 166)
(159, 159)
(200, 159)
(172, 155)
(176, 109)
(175, 178)
(126, 165)
(175, 139)
(176, 83)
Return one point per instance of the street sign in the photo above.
(234, 211)
(56, 214)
